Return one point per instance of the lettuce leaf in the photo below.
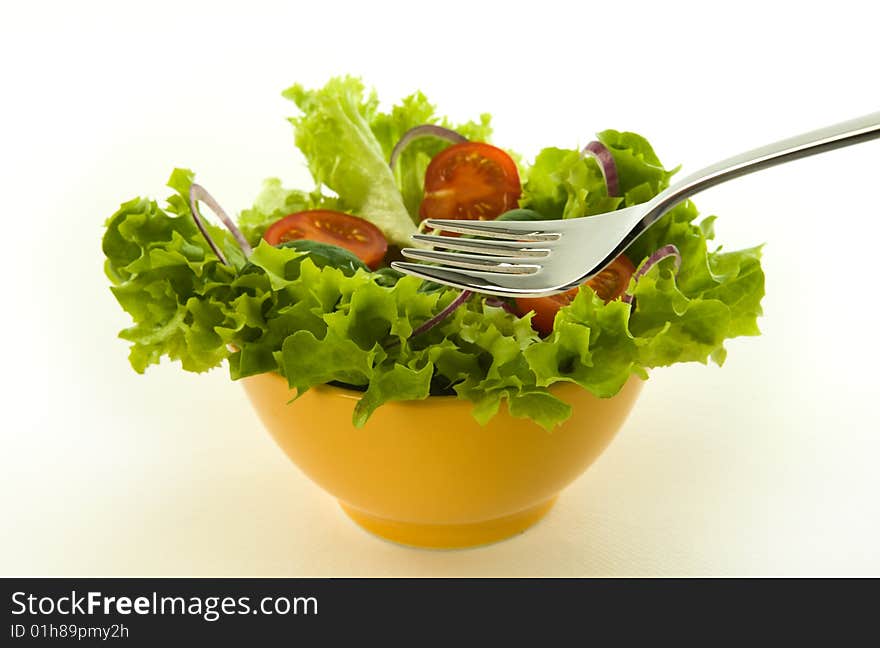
(168, 279)
(563, 184)
(342, 152)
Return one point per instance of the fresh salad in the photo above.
(302, 286)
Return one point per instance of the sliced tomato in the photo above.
(357, 235)
(608, 284)
(472, 181)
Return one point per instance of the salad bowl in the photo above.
(299, 294)
(425, 473)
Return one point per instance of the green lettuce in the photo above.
(564, 184)
(315, 315)
(343, 154)
(169, 280)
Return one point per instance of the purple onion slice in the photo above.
(425, 130)
(603, 157)
(663, 253)
(199, 193)
(442, 315)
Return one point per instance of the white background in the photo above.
(765, 467)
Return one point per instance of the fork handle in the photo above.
(839, 135)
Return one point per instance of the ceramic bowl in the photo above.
(425, 473)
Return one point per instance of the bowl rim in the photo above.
(357, 394)
(347, 391)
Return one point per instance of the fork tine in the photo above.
(461, 279)
(499, 247)
(489, 263)
(490, 283)
(506, 230)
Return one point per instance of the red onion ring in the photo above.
(663, 253)
(425, 130)
(442, 315)
(603, 157)
(197, 193)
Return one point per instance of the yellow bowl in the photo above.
(425, 473)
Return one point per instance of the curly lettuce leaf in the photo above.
(564, 184)
(168, 279)
(364, 339)
(636, 163)
(342, 152)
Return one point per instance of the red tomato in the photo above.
(472, 181)
(360, 237)
(608, 284)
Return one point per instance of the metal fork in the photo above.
(536, 258)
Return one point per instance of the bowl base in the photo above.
(449, 536)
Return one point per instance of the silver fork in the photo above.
(536, 258)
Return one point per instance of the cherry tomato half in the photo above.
(608, 284)
(360, 237)
(472, 181)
